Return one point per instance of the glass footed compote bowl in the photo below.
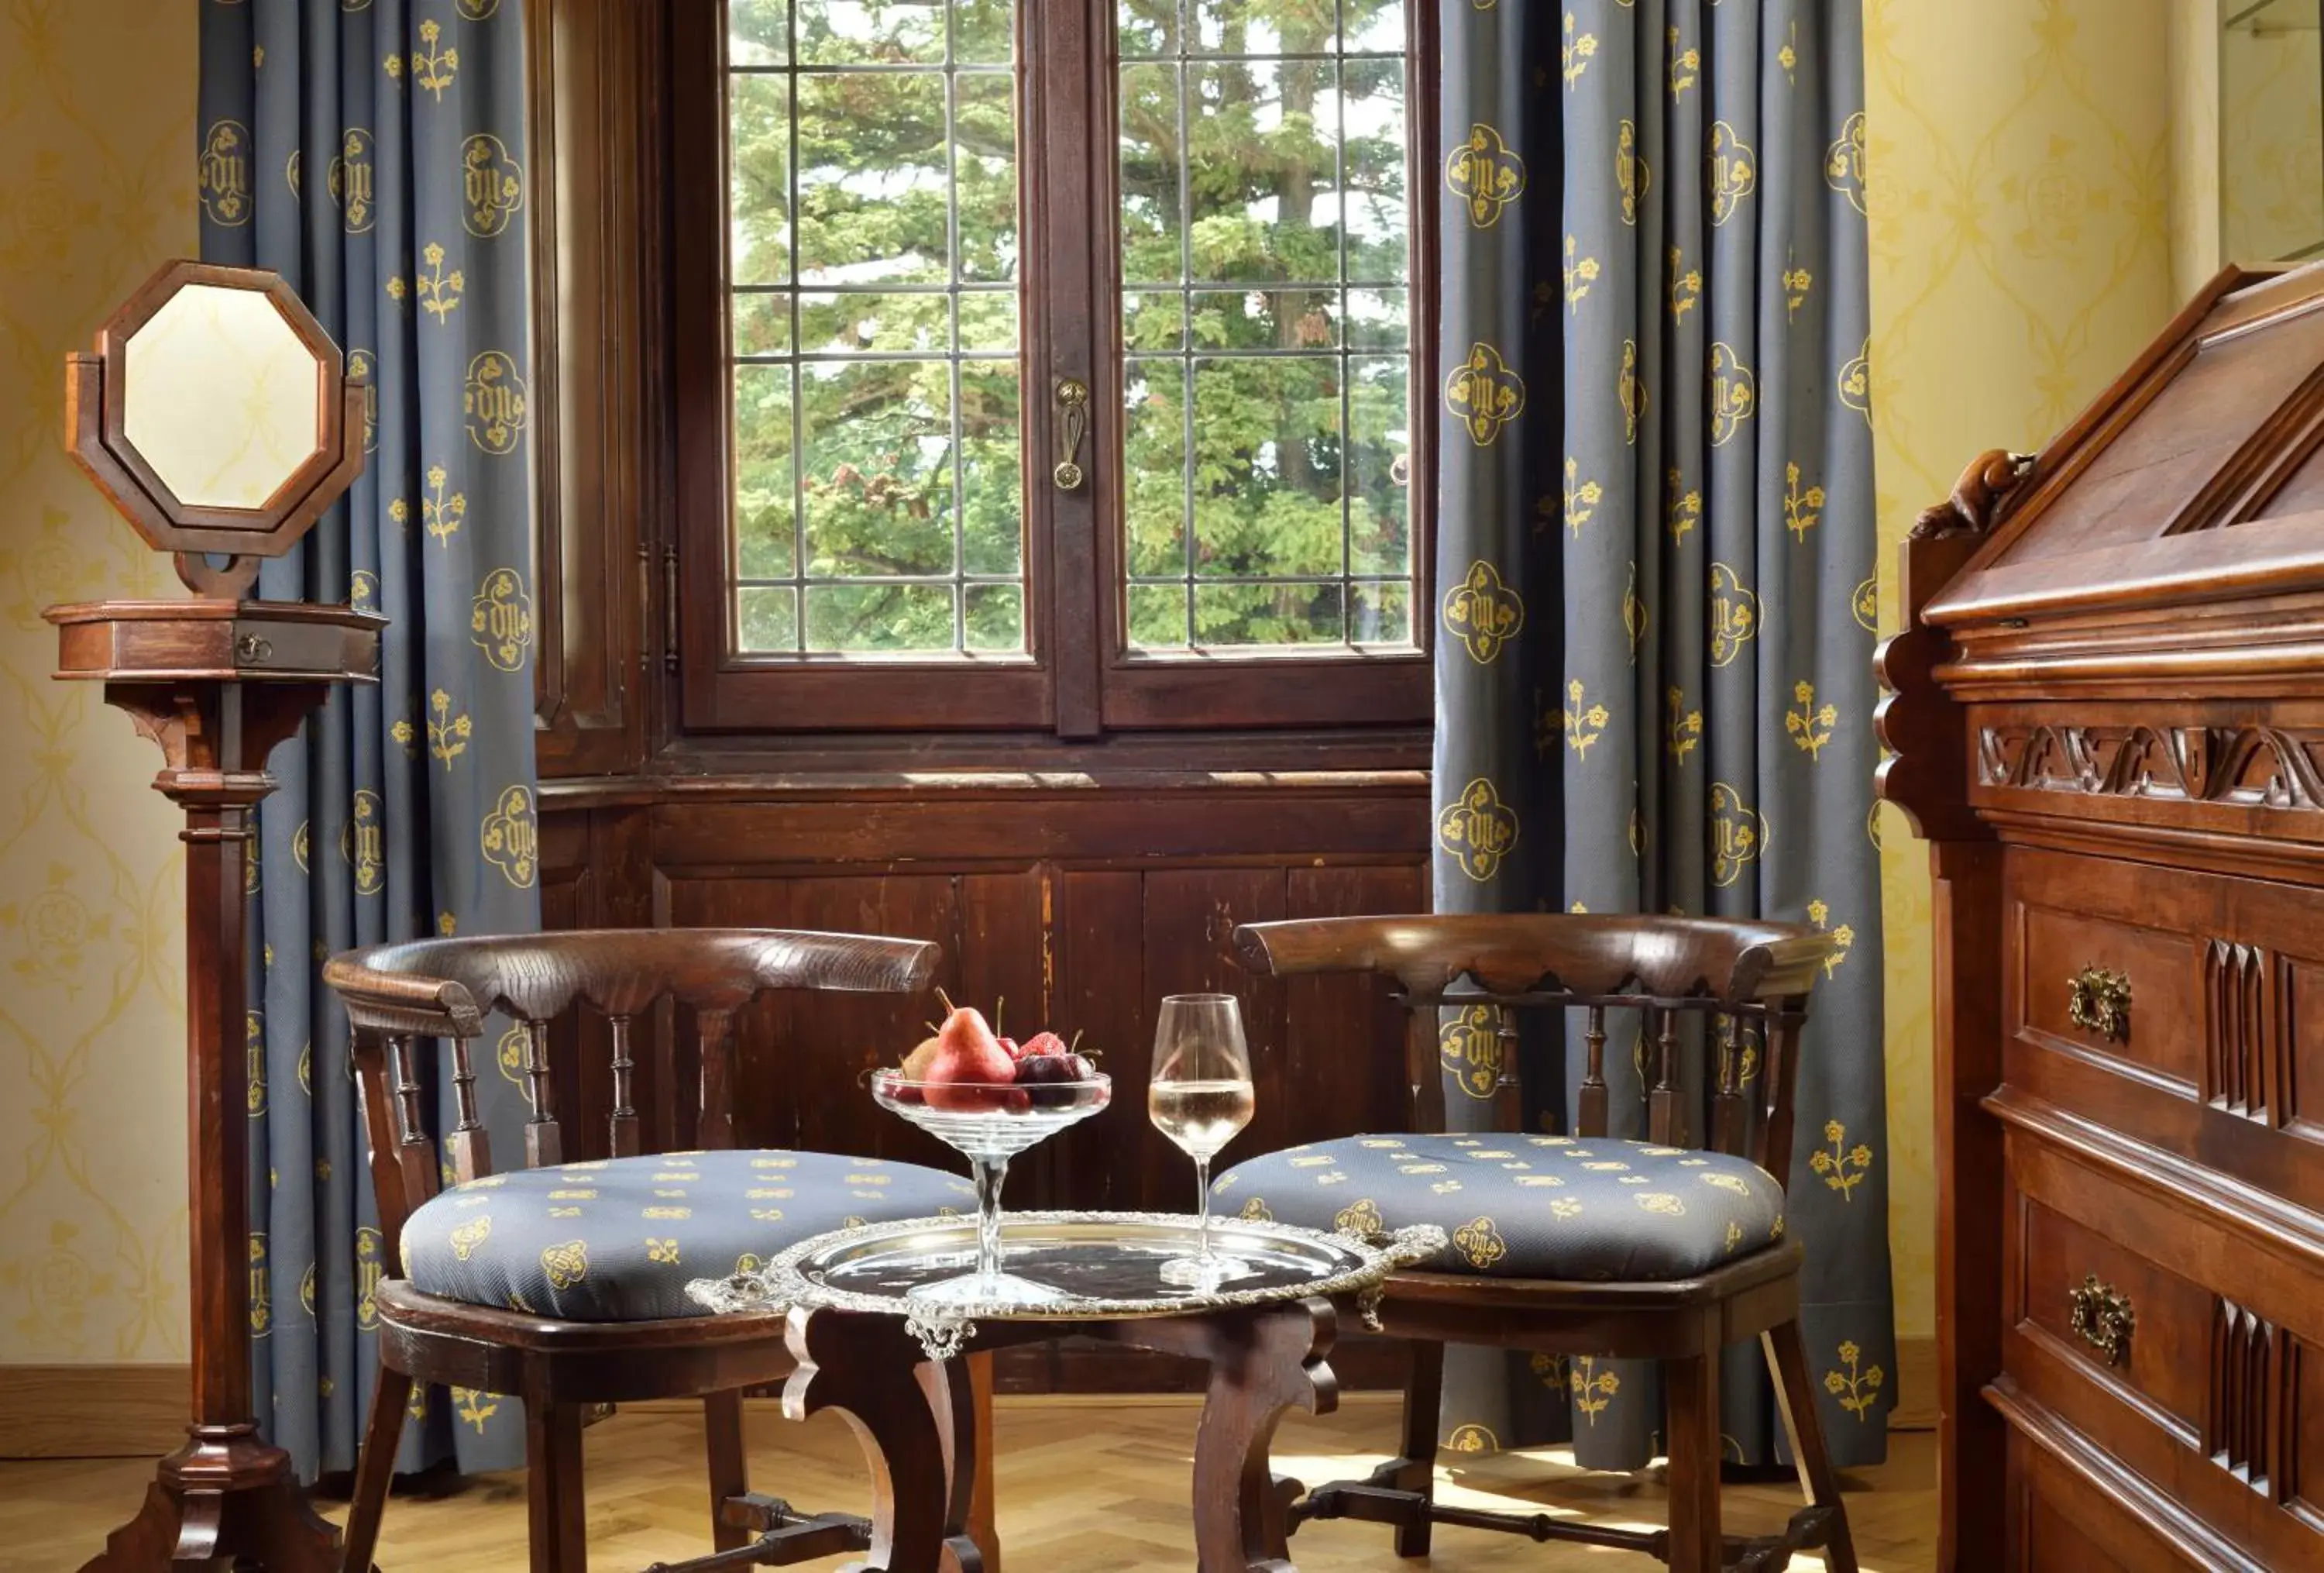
(988, 1125)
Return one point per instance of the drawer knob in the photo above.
(2102, 1317)
(253, 647)
(2098, 1001)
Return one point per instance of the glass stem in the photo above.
(1202, 1210)
(988, 1173)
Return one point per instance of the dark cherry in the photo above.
(1044, 1073)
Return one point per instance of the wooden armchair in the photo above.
(1581, 1245)
(564, 1283)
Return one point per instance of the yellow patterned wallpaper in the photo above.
(2273, 194)
(2020, 177)
(96, 138)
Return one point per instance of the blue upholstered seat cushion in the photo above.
(1525, 1206)
(617, 1240)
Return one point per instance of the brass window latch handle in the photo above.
(2098, 1001)
(2101, 1317)
(1072, 431)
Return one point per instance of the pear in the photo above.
(923, 1055)
(968, 1057)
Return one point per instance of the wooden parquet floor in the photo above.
(1085, 1487)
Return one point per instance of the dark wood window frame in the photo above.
(1076, 682)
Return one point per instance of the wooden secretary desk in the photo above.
(2107, 715)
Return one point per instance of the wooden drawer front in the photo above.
(2061, 1523)
(2218, 1055)
(2216, 1402)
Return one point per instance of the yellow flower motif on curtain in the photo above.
(1576, 52)
(441, 515)
(350, 181)
(1739, 834)
(1820, 914)
(1482, 613)
(1484, 395)
(1592, 1389)
(1480, 1242)
(1842, 1167)
(1734, 615)
(448, 734)
(1581, 272)
(393, 64)
(1549, 1370)
(492, 185)
(663, 1251)
(1734, 171)
(1865, 603)
(1582, 497)
(1631, 389)
(473, 1408)
(223, 174)
(1485, 175)
(493, 401)
(433, 66)
(500, 619)
(1734, 392)
(1788, 57)
(1631, 175)
(1682, 727)
(1843, 162)
(439, 293)
(1801, 509)
(1634, 613)
(1682, 505)
(511, 837)
(1808, 726)
(1856, 382)
(465, 1239)
(1685, 287)
(1685, 64)
(1470, 1046)
(362, 843)
(1360, 1217)
(1477, 829)
(363, 590)
(1856, 1389)
(1581, 726)
(1797, 281)
(1471, 1439)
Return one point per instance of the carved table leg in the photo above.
(223, 1499)
(916, 1434)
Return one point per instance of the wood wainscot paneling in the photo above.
(92, 1411)
(1070, 904)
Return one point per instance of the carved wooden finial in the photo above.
(1976, 497)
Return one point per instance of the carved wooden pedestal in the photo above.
(217, 684)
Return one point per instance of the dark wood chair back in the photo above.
(1748, 981)
(444, 988)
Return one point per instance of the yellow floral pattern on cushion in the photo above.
(565, 1264)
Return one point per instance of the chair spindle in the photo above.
(1780, 1069)
(414, 1154)
(715, 1128)
(1728, 1111)
(467, 1149)
(544, 1144)
(1593, 1078)
(622, 1126)
(1508, 1089)
(1666, 1122)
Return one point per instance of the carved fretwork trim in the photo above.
(2246, 767)
(2243, 1066)
(2249, 1417)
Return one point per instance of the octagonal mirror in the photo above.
(221, 397)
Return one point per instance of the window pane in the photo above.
(878, 428)
(1267, 396)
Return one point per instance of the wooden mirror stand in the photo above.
(217, 681)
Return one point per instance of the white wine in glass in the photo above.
(1199, 1097)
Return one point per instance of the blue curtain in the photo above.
(1654, 565)
(373, 153)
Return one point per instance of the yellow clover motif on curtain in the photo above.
(1734, 392)
(224, 173)
(1482, 613)
(1630, 391)
(1856, 382)
(1485, 175)
(1734, 615)
(1734, 169)
(349, 180)
(362, 845)
(510, 837)
(1739, 834)
(1631, 175)
(1865, 603)
(371, 1267)
(492, 185)
(1470, 1045)
(493, 401)
(1478, 829)
(500, 619)
(1473, 1439)
(1843, 162)
(1484, 395)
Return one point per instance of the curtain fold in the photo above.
(1655, 562)
(373, 153)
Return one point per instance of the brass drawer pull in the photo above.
(2102, 1319)
(2098, 1001)
(1073, 415)
(251, 648)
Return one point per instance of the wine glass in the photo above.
(1200, 1096)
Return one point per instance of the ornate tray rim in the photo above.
(781, 1285)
